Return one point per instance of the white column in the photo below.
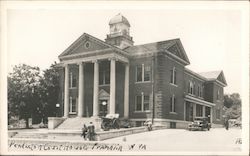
(96, 89)
(203, 111)
(66, 91)
(194, 110)
(112, 87)
(81, 90)
(126, 91)
(184, 118)
(211, 115)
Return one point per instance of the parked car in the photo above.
(199, 124)
(111, 121)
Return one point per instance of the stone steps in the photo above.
(74, 123)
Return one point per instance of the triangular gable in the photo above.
(85, 43)
(103, 94)
(177, 50)
(221, 78)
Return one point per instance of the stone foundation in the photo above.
(53, 122)
(167, 123)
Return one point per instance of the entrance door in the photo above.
(103, 105)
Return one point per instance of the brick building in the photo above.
(138, 82)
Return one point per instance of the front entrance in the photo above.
(103, 108)
(103, 103)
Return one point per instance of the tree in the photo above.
(49, 91)
(23, 91)
(233, 104)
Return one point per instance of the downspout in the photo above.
(153, 88)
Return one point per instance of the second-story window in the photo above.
(143, 73)
(72, 80)
(191, 87)
(218, 94)
(104, 77)
(200, 90)
(173, 76)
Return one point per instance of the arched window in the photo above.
(191, 87)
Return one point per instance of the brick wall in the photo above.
(136, 88)
(164, 86)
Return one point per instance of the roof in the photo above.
(119, 18)
(149, 47)
(215, 76)
(211, 75)
(195, 74)
(172, 47)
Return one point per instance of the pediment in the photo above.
(103, 94)
(177, 50)
(85, 43)
(221, 78)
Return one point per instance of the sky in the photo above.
(211, 37)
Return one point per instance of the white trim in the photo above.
(198, 101)
(99, 57)
(173, 113)
(173, 84)
(147, 111)
(160, 120)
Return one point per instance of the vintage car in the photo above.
(199, 124)
(111, 121)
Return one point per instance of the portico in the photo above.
(195, 107)
(112, 61)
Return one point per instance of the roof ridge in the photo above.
(144, 44)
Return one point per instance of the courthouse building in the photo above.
(138, 82)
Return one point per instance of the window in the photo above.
(199, 91)
(217, 114)
(142, 103)
(147, 73)
(146, 103)
(87, 44)
(72, 80)
(191, 87)
(173, 76)
(143, 73)
(104, 77)
(72, 108)
(194, 89)
(139, 73)
(218, 94)
(172, 104)
(199, 110)
(138, 103)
